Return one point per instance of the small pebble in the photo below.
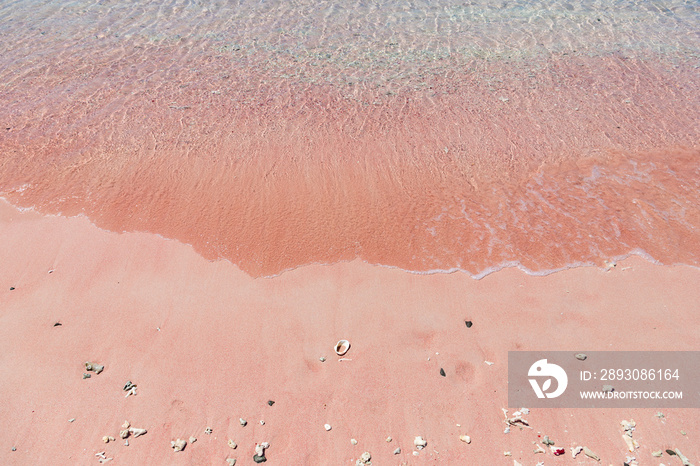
(581, 357)
(12, 288)
(262, 423)
(388, 439)
(327, 426)
(353, 441)
(231, 461)
(468, 323)
(397, 451)
(243, 422)
(14, 449)
(86, 376)
(442, 372)
(322, 359)
(71, 420)
(232, 444)
(193, 439)
(208, 430)
(270, 402)
(465, 438)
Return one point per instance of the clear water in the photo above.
(423, 135)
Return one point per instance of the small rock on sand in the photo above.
(397, 451)
(178, 445)
(465, 438)
(365, 459)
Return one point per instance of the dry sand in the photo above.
(206, 345)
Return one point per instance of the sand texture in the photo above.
(206, 344)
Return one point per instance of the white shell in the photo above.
(137, 432)
(327, 426)
(342, 347)
(420, 443)
(178, 445)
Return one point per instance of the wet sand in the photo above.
(206, 344)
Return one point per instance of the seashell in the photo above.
(327, 426)
(232, 444)
(420, 443)
(465, 438)
(587, 451)
(243, 422)
(178, 445)
(260, 448)
(138, 432)
(96, 368)
(124, 433)
(342, 347)
(364, 459)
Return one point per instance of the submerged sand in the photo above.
(206, 344)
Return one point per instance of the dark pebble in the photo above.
(270, 402)
(468, 323)
(671, 452)
(12, 288)
(57, 324)
(14, 449)
(259, 459)
(442, 372)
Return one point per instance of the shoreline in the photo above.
(607, 264)
(206, 345)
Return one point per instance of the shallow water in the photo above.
(428, 137)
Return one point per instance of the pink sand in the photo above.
(207, 344)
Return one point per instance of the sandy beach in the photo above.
(199, 199)
(206, 345)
